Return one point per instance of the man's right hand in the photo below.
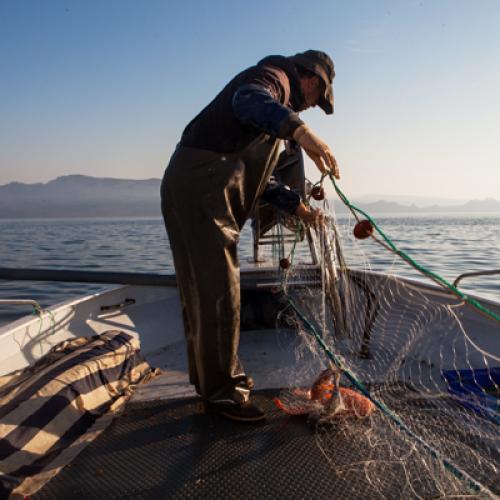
(317, 150)
(309, 215)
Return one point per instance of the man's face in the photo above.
(313, 89)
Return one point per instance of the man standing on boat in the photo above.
(219, 170)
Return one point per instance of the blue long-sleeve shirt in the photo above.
(254, 105)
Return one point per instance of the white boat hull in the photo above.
(275, 358)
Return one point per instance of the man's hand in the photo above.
(317, 150)
(309, 215)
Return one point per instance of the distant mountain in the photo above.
(382, 206)
(81, 196)
(84, 196)
(488, 204)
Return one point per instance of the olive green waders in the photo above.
(206, 199)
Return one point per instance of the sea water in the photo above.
(447, 244)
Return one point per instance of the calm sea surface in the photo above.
(447, 244)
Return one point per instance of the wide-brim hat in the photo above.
(321, 65)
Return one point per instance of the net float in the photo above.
(318, 193)
(284, 263)
(363, 229)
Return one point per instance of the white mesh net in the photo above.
(427, 425)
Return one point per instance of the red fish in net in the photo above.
(318, 399)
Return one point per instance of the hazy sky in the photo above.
(105, 88)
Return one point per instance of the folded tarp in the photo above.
(52, 409)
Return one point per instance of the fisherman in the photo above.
(216, 175)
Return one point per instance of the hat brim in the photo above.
(326, 100)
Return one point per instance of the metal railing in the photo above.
(477, 273)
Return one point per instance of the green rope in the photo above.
(474, 303)
(38, 311)
(471, 482)
(52, 322)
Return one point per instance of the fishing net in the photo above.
(412, 371)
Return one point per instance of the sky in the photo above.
(105, 88)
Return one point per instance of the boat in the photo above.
(410, 346)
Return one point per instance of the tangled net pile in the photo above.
(413, 352)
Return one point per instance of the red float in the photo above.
(363, 229)
(318, 193)
(284, 263)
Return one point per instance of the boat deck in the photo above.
(171, 449)
(269, 356)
